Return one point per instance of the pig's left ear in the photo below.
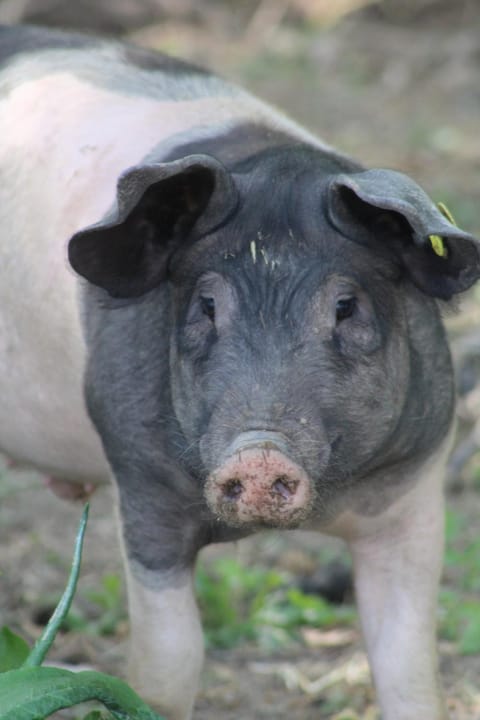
(159, 208)
(388, 207)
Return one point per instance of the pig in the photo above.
(239, 326)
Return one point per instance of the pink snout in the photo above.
(259, 486)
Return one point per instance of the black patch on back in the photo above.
(18, 39)
(153, 61)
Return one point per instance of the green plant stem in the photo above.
(44, 642)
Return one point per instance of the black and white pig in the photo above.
(250, 337)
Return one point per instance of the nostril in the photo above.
(232, 489)
(284, 486)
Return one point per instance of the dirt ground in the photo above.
(392, 93)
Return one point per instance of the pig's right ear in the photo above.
(159, 207)
(389, 211)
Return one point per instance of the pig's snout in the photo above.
(258, 485)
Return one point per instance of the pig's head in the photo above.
(304, 329)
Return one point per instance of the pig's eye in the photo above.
(345, 308)
(207, 305)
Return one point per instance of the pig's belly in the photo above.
(43, 424)
(43, 420)
(55, 437)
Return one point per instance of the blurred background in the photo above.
(395, 84)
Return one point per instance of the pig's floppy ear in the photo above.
(158, 207)
(388, 207)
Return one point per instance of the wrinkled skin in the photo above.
(277, 324)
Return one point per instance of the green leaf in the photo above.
(13, 650)
(31, 693)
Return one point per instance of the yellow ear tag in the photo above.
(438, 246)
(436, 241)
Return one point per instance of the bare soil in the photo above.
(392, 93)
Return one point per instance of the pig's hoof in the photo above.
(69, 490)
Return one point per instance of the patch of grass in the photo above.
(462, 553)
(460, 621)
(240, 603)
(230, 596)
(460, 606)
(107, 601)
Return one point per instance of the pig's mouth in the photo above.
(258, 485)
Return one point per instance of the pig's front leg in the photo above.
(160, 542)
(397, 561)
(166, 642)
